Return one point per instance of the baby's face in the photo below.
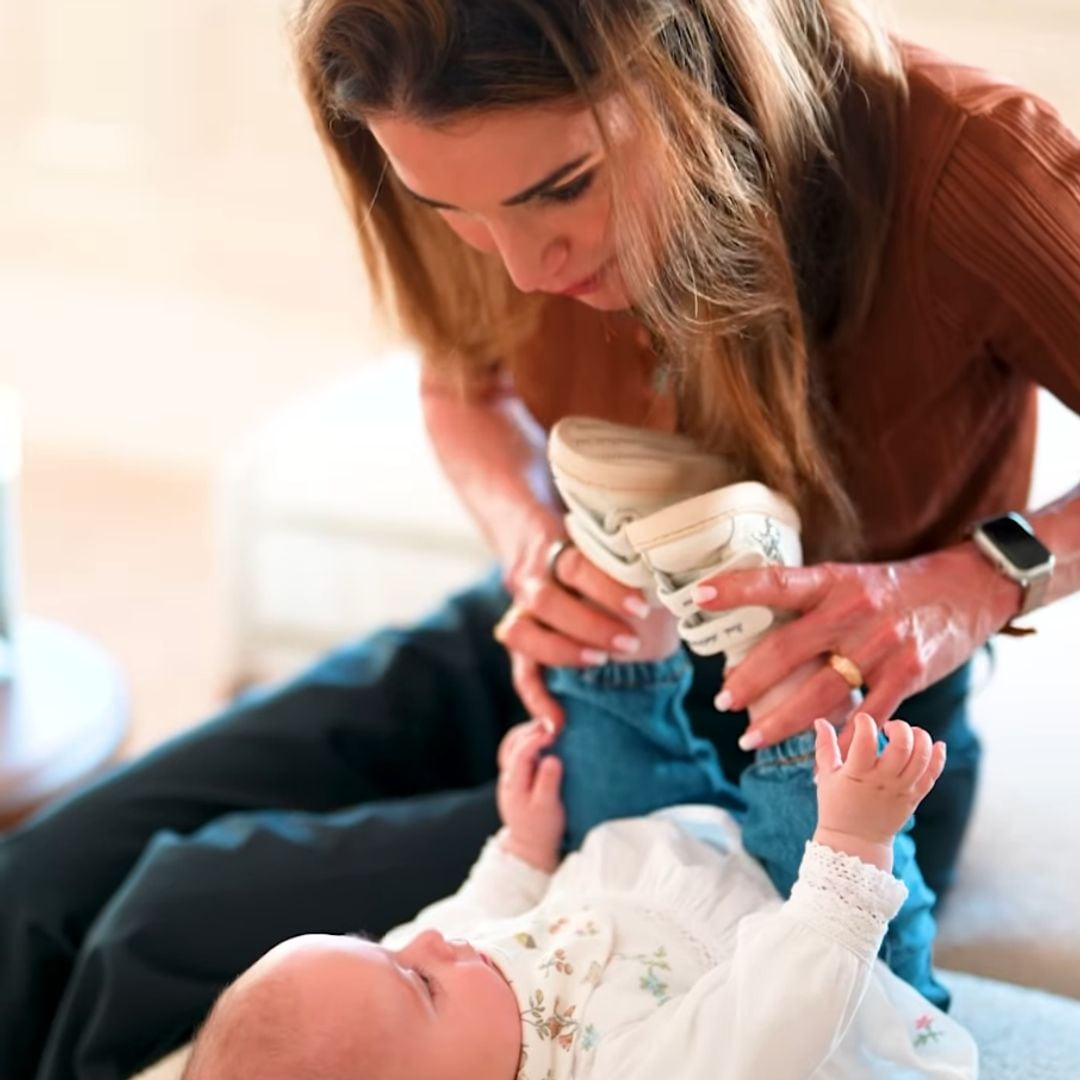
(434, 1008)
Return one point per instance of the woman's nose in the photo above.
(534, 263)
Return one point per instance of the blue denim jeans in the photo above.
(628, 749)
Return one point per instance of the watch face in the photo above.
(1023, 549)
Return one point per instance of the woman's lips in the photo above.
(587, 285)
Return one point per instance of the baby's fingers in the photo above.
(933, 770)
(510, 742)
(548, 778)
(862, 753)
(521, 766)
(897, 754)
(826, 748)
(922, 748)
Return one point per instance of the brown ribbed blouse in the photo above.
(977, 304)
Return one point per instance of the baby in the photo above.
(659, 948)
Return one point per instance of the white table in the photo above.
(63, 713)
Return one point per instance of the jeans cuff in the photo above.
(629, 675)
(796, 752)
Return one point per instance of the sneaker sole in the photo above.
(614, 457)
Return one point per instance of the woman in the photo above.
(856, 261)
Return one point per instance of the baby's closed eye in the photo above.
(430, 984)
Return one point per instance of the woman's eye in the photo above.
(568, 193)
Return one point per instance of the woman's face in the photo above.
(531, 185)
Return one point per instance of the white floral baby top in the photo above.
(661, 951)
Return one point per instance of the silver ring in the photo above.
(555, 549)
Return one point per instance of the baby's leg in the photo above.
(781, 815)
(627, 747)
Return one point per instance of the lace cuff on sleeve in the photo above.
(845, 898)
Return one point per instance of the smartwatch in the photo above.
(1010, 544)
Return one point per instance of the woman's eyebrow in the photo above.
(522, 196)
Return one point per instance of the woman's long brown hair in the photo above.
(771, 127)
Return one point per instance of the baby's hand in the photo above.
(528, 796)
(864, 801)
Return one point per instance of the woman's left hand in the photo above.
(905, 625)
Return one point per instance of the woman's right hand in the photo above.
(567, 615)
(494, 454)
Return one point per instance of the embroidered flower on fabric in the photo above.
(655, 986)
(558, 961)
(590, 929)
(560, 1026)
(526, 941)
(925, 1031)
(589, 1037)
(558, 924)
(650, 982)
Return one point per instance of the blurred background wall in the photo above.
(175, 265)
(174, 261)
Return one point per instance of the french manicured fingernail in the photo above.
(723, 701)
(702, 594)
(593, 657)
(626, 643)
(547, 724)
(751, 741)
(637, 607)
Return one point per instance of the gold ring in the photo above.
(513, 612)
(847, 669)
(555, 549)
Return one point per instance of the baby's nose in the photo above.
(461, 948)
(436, 944)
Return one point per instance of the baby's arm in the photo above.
(782, 1004)
(799, 972)
(515, 866)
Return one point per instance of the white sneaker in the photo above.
(610, 475)
(657, 513)
(743, 526)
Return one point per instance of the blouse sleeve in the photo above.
(784, 1002)
(1006, 218)
(500, 885)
